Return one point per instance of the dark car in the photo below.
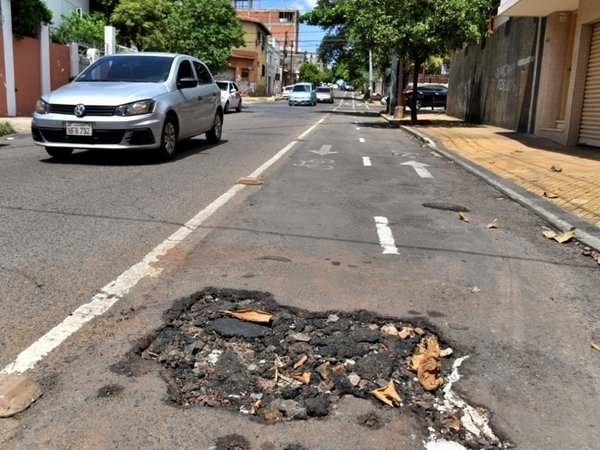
(432, 95)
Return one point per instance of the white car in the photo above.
(231, 96)
(286, 91)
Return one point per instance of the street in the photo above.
(351, 215)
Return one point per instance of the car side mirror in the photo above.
(187, 82)
(233, 91)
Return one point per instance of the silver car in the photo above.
(131, 101)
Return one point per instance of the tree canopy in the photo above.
(85, 29)
(27, 16)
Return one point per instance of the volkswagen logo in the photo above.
(79, 110)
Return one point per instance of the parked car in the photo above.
(286, 91)
(131, 101)
(348, 87)
(433, 95)
(231, 96)
(303, 94)
(325, 94)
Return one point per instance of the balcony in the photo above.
(535, 8)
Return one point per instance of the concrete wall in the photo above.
(493, 82)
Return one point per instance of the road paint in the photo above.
(357, 128)
(315, 164)
(325, 150)
(386, 238)
(114, 291)
(419, 168)
(361, 140)
(366, 161)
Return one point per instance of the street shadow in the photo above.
(548, 145)
(118, 158)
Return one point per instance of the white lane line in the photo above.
(367, 105)
(366, 161)
(419, 168)
(386, 239)
(361, 140)
(119, 287)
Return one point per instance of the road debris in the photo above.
(494, 224)
(300, 365)
(251, 315)
(550, 195)
(250, 181)
(561, 238)
(596, 347)
(462, 216)
(17, 393)
(556, 168)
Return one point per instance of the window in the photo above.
(263, 70)
(185, 70)
(244, 74)
(286, 16)
(204, 76)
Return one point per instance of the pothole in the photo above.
(300, 364)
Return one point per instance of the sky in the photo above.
(310, 37)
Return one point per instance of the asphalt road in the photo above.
(523, 308)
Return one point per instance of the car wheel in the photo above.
(168, 140)
(214, 134)
(59, 153)
(226, 107)
(239, 107)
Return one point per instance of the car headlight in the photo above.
(41, 107)
(135, 108)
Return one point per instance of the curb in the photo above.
(563, 220)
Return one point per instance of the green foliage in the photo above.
(105, 7)
(27, 16)
(87, 30)
(207, 29)
(143, 23)
(310, 73)
(6, 128)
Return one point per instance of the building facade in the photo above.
(538, 73)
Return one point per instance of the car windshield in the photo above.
(324, 89)
(134, 68)
(222, 85)
(301, 88)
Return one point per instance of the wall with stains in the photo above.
(492, 82)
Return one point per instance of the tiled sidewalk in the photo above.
(567, 176)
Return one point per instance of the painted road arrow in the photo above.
(324, 150)
(419, 168)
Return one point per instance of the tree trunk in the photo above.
(413, 102)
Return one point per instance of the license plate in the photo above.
(79, 129)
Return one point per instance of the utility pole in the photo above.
(292, 63)
(370, 74)
(283, 77)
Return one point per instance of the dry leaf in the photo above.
(493, 224)
(250, 181)
(555, 168)
(303, 378)
(550, 195)
(419, 331)
(596, 347)
(405, 333)
(462, 216)
(390, 329)
(255, 407)
(387, 394)
(550, 234)
(564, 237)
(301, 361)
(251, 315)
(428, 373)
(446, 352)
(340, 368)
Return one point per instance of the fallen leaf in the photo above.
(550, 234)
(550, 195)
(419, 331)
(251, 315)
(250, 181)
(405, 333)
(387, 394)
(555, 168)
(390, 329)
(475, 289)
(303, 378)
(340, 368)
(564, 237)
(426, 362)
(301, 361)
(596, 347)
(446, 352)
(452, 423)
(493, 224)
(255, 407)
(462, 216)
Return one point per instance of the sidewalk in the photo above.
(562, 184)
(20, 124)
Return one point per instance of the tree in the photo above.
(27, 16)
(105, 7)
(310, 73)
(415, 29)
(207, 29)
(143, 23)
(85, 29)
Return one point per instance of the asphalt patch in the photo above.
(296, 367)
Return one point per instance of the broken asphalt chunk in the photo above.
(230, 327)
(17, 393)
